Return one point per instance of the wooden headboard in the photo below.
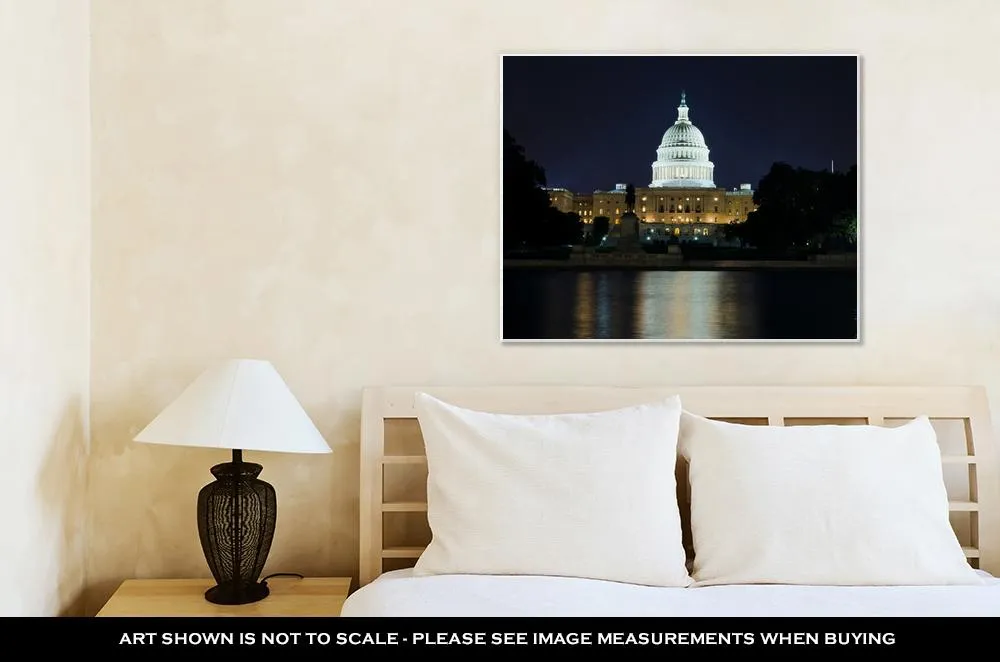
(394, 528)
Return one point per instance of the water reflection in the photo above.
(585, 303)
(695, 305)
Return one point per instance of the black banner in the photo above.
(319, 635)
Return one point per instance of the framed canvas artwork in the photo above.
(702, 198)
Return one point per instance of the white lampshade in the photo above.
(238, 404)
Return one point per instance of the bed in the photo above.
(394, 529)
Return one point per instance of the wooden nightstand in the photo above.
(290, 596)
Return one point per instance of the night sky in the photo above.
(594, 121)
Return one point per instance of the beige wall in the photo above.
(44, 303)
(295, 181)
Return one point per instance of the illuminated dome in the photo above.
(682, 157)
(683, 135)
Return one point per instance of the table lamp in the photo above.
(240, 404)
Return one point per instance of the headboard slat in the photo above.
(777, 405)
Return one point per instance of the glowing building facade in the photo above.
(681, 201)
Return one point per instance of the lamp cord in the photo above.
(282, 574)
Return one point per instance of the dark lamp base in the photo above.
(237, 594)
(236, 516)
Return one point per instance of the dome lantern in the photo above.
(682, 110)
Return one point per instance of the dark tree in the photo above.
(802, 209)
(525, 204)
(572, 228)
(529, 220)
(602, 225)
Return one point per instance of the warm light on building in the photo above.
(682, 171)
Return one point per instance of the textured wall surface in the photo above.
(294, 180)
(44, 303)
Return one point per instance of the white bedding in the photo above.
(399, 593)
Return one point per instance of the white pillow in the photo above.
(576, 495)
(825, 505)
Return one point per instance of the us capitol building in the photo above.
(682, 199)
